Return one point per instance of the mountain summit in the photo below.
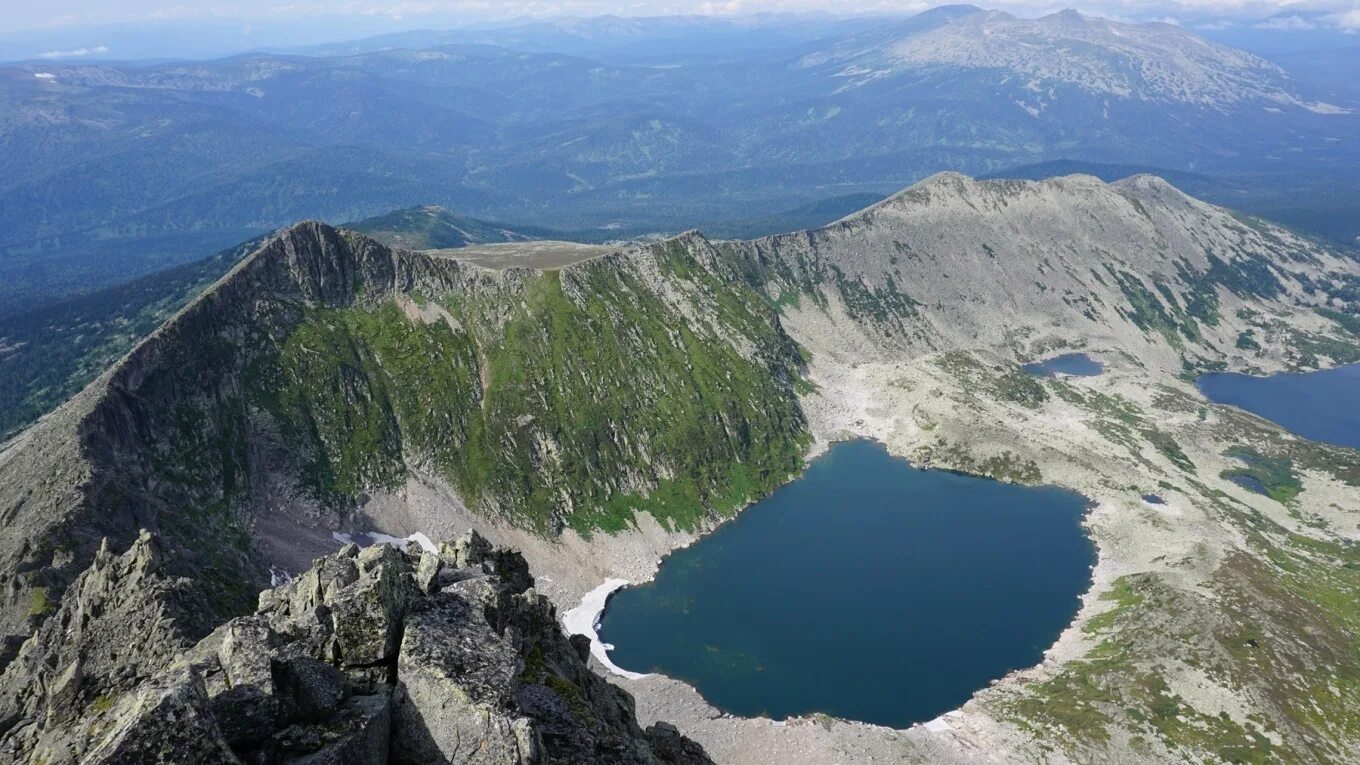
(1150, 62)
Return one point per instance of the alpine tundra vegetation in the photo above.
(604, 410)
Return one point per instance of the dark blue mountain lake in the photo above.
(1078, 364)
(1323, 406)
(867, 589)
(1250, 483)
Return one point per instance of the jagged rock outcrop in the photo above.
(357, 660)
(117, 624)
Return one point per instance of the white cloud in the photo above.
(1286, 23)
(77, 53)
(1350, 20)
(195, 12)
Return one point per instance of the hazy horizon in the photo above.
(146, 30)
(401, 15)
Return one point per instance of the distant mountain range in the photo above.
(113, 170)
(1137, 62)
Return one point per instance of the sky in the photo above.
(73, 29)
(17, 15)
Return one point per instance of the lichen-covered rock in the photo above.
(469, 550)
(454, 701)
(314, 689)
(118, 623)
(165, 720)
(358, 732)
(367, 613)
(427, 573)
(247, 706)
(355, 663)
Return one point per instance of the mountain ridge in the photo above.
(339, 279)
(326, 374)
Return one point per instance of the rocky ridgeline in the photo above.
(371, 656)
(1022, 268)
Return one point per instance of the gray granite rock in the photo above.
(355, 662)
(165, 720)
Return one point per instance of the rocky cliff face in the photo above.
(370, 656)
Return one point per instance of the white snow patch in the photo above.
(45, 75)
(425, 544)
(585, 620)
(938, 725)
(941, 724)
(377, 537)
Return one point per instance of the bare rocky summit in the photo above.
(370, 656)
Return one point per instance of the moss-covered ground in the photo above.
(593, 399)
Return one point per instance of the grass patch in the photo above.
(588, 401)
(1273, 474)
(38, 604)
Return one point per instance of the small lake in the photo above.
(1322, 406)
(867, 589)
(1076, 364)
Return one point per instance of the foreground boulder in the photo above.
(371, 656)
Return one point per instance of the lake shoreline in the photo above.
(1018, 560)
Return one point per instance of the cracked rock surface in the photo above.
(370, 656)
